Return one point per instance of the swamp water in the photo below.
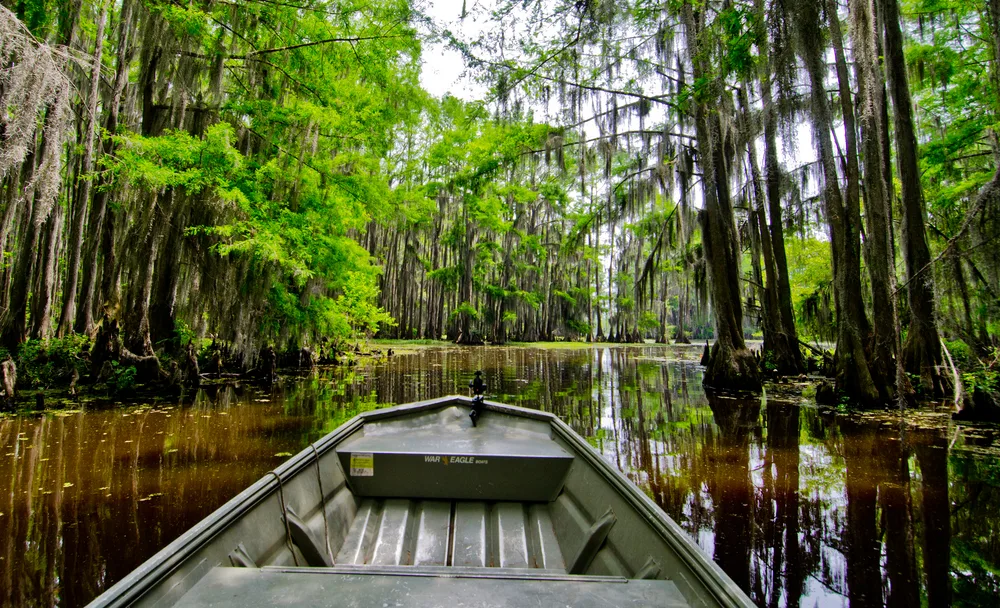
(800, 507)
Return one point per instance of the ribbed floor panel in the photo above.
(399, 532)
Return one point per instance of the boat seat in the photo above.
(249, 588)
(474, 534)
(497, 460)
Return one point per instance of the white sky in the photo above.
(442, 67)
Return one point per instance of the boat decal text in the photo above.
(456, 459)
(362, 464)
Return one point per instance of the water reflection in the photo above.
(799, 508)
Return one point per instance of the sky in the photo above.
(443, 67)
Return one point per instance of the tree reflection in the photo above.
(931, 447)
(730, 485)
(90, 496)
(780, 519)
(860, 539)
(897, 513)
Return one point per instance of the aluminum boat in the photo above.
(451, 502)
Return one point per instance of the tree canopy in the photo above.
(269, 173)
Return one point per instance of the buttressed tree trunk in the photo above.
(82, 192)
(880, 358)
(95, 225)
(853, 374)
(788, 355)
(781, 343)
(878, 210)
(730, 364)
(922, 349)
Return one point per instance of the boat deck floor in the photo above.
(473, 534)
(249, 588)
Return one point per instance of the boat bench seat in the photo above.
(472, 534)
(495, 461)
(251, 587)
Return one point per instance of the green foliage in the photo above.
(816, 313)
(737, 25)
(768, 363)
(580, 327)
(43, 363)
(983, 374)
(962, 354)
(122, 378)
(448, 276)
(648, 321)
(358, 305)
(465, 309)
(976, 580)
(811, 278)
(183, 334)
(567, 298)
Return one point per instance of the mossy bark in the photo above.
(853, 374)
(922, 349)
(731, 365)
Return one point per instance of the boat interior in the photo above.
(422, 507)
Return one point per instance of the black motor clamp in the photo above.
(478, 387)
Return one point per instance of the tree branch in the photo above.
(990, 190)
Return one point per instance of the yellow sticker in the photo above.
(362, 464)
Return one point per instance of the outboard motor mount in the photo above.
(478, 387)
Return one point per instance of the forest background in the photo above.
(185, 180)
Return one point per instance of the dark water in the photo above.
(800, 508)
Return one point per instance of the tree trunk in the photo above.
(12, 205)
(465, 317)
(853, 374)
(44, 290)
(137, 337)
(162, 310)
(680, 334)
(82, 199)
(878, 209)
(14, 325)
(993, 7)
(781, 346)
(730, 364)
(788, 355)
(96, 224)
(922, 349)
